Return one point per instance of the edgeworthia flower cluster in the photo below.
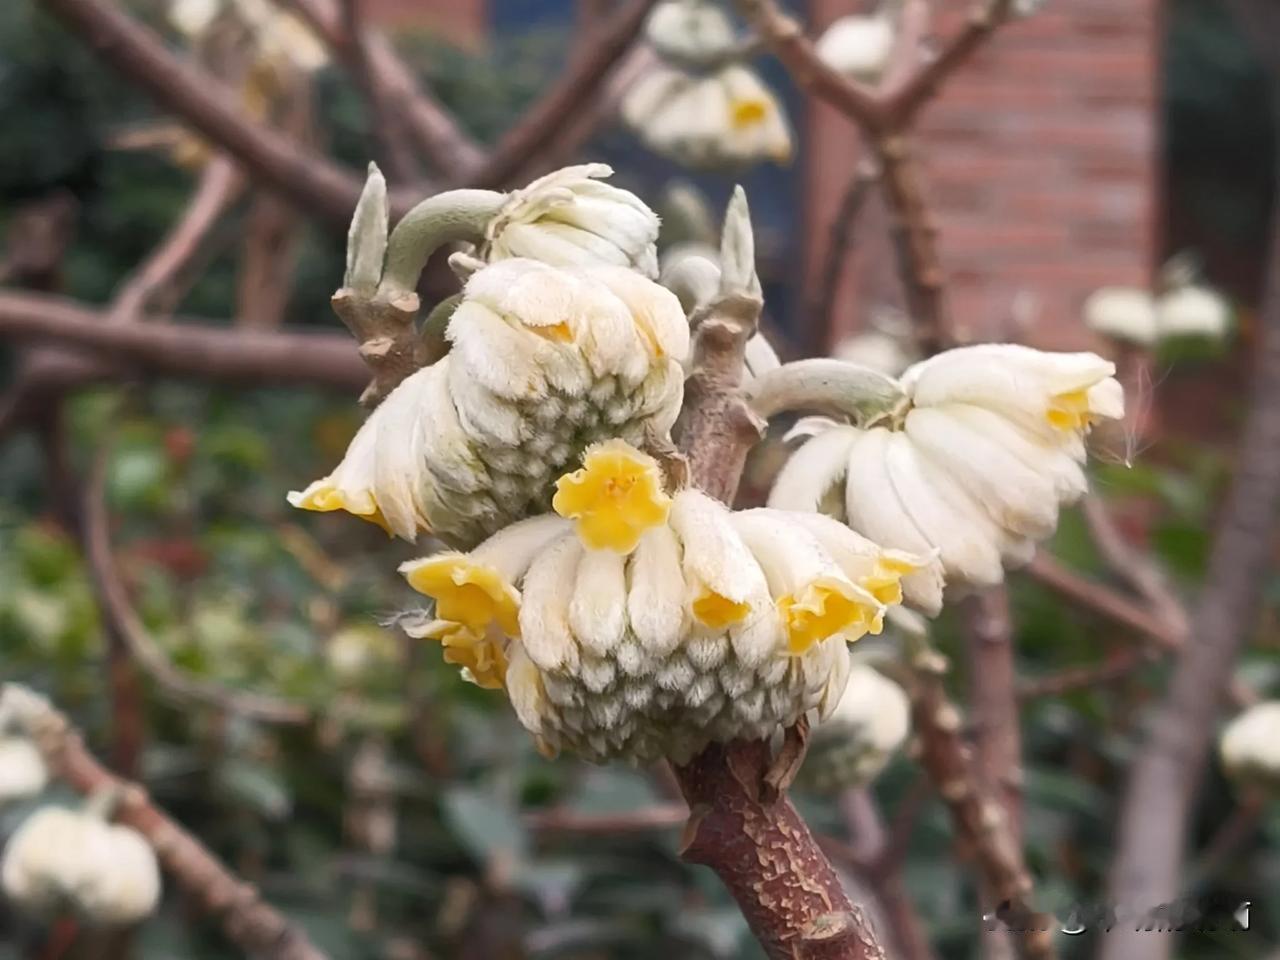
(699, 106)
(855, 743)
(545, 359)
(1250, 746)
(61, 859)
(970, 454)
(640, 625)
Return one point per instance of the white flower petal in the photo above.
(544, 609)
(598, 610)
(1014, 496)
(812, 471)
(656, 598)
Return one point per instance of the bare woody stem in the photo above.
(209, 106)
(185, 348)
(751, 835)
(118, 610)
(980, 823)
(250, 923)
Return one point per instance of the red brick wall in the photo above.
(463, 22)
(1041, 157)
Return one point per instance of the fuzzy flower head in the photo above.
(1250, 746)
(66, 859)
(723, 119)
(545, 362)
(569, 218)
(867, 727)
(714, 625)
(22, 770)
(971, 466)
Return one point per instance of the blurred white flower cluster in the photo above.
(1250, 747)
(699, 106)
(625, 613)
(1183, 308)
(62, 859)
(856, 742)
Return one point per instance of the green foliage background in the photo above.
(236, 587)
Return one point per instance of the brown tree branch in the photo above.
(886, 120)
(764, 853)
(1166, 773)
(659, 816)
(185, 347)
(876, 861)
(1138, 569)
(388, 79)
(841, 241)
(123, 620)
(356, 46)
(1104, 601)
(785, 38)
(906, 100)
(209, 106)
(543, 122)
(993, 706)
(251, 924)
(980, 824)
(155, 281)
(749, 834)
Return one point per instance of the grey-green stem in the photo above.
(445, 218)
(828, 386)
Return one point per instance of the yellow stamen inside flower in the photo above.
(614, 498)
(323, 497)
(747, 112)
(481, 657)
(1069, 411)
(718, 612)
(884, 580)
(823, 608)
(470, 593)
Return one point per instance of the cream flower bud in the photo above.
(705, 624)
(22, 769)
(972, 467)
(726, 118)
(545, 362)
(1250, 746)
(63, 859)
(569, 218)
(858, 46)
(688, 31)
(1192, 311)
(1122, 313)
(868, 726)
